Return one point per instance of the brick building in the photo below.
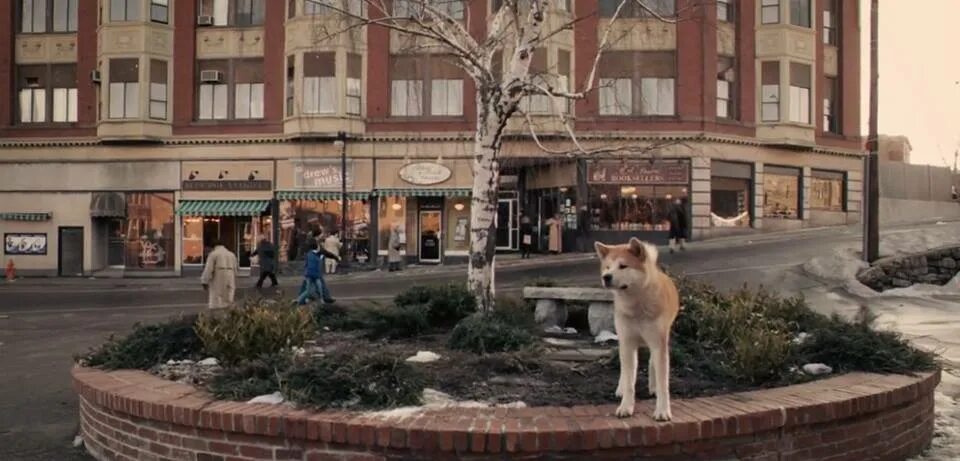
(140, 130)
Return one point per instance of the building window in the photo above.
(158, 89)
(47, 89)
(538, 103)
(320, 83)
(637, 83)
(632, 207)
(726, 87)
(411, 75)
(781, 192)
(248, 89)
(725, 11)
(770, 11)
(800, 13)
(214, 90)
(39, 16)
(649, 8)
(125, 10)
(291, 90)
(124, 89)
(33, 16)
(354, 85)
(314, 7)
(312, 218)
(827, 190)
(32, 92)
(407, 8)
(831, 106)
(831, 14)
(149, 230)
(770, 91)
(159, 11)
(241, 13)
(730, 194)
(800, 93)
(64, 15)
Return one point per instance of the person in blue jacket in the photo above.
(314, 285)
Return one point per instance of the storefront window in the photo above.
(730, 202)
(458, 224)
(301, 220)
(149, 230)
(826, 190)
(632, 208)
(392, 211)
(192, 240)
(781, 192)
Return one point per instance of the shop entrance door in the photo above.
(116, 245)
(70, 252)
(235, 233)
(507, 224)
(430, 236)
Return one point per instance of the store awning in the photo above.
(222, 207)
(319, 195)
(108, 205)
(424, 192)
(19, 216)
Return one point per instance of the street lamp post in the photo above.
(342, 142)
(871, 235)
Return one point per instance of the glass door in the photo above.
(116, 243)
(507, 224)
(430, 236)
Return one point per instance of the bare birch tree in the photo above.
(515, 29)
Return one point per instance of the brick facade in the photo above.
(131, 415)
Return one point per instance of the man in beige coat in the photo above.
(220, 277)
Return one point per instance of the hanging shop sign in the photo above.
(226, 185)
(639, 173)
(425, 173)
(321, 174)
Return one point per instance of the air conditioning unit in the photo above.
(211, 76)
(204, 20)
(95, 76)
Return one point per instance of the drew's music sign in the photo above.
(321, 174)
(639, 173)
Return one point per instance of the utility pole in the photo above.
(871, 235)
(342, 142)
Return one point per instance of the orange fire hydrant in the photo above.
(11, 271)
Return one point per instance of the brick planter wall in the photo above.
(131, 415)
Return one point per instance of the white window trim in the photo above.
(770, 98)
(799, 105)
(248, 101)
(36, 98)
(130, 97)
(771, 5)
(214, 90)
(354, 94)
(69, 100)
(657, 104)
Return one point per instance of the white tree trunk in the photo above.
(483, 208)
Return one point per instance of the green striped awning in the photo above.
(424, 192)
(319, 195)
(222, 207)
(19, 216)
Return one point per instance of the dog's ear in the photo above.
(638, 249)
(602, 250)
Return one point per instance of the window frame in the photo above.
(727, 11)
(50, 86)
(832, 106)
(783, 172)
(799, 93)
(822, 175)
(354, 73)
(328, 74)
(228, 89)
(637, 73)
(804, 13)
(424, 73)
(766, 88)
(153, 101)
(128, 86)
(290, 86)
(606, 8)
(126, 11)
(232, 14)
(732, 97)
(831, 22)
(768, 6)
(156, 5)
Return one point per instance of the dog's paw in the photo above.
(624, 411)
(661, 414)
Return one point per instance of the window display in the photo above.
(826, 190)
(392, 212)
(149, 231)
(301, 220)
(781, 192)
(633, 208)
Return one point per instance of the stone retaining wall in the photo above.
(935, 267)
(131, 415)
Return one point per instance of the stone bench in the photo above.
(552, 311)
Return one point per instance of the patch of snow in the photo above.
(605, 336)
(273, 399)
(560, 342)
(801, 338)
(424, 357)
(817, 369)
(77, 442)
(553, 329)
(517, 404)
(209, 362)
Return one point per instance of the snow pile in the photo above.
(436, 400)
(272, 399)
(424, 357)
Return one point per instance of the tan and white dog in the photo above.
(645, 304)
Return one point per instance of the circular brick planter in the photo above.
(132, 415)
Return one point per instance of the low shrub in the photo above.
(248, 333)
(446, 304)
(365, 381)
(248, 379)
(148, 345)
(337, 317)
(484, 333)
(513, 311)
(398, 322)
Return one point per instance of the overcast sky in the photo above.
(919, 71)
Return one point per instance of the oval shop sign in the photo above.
(425, 173)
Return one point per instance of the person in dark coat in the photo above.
(526, 237)
(266, 252)
(678, 225)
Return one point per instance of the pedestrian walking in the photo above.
(555, 233)
(526, 237)
(333, 245)
(314, 286)
(219, 277)
(393, 251)
(266, 253)
(678, 225)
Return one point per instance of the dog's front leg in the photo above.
(628, 378)
(661, 352)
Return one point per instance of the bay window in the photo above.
(125, 10)
(769, 11)
(124, 89)
(538, 103)
(33, 16)
(291, 90)
(649, 8)
(158, 89)
(240, 13)
(637, 83)
(451, 8)
(41, 16)
(318, 7)
(726, 87)
(725, 11)
(800, 13)
(770, 91)
(159, 11)
(800, 84)
(425, 81)
(354, 85)
(320, 83)
(831, 10)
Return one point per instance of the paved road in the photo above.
(42, 327)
